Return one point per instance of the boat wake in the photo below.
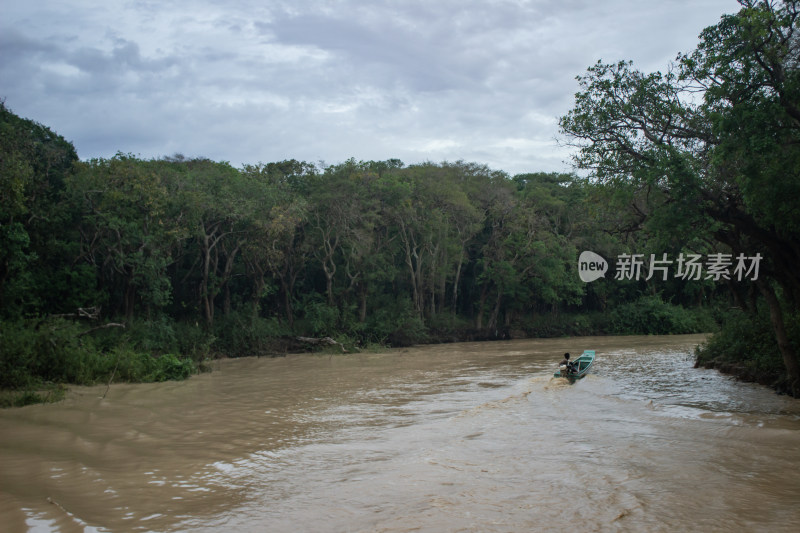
(557, 384)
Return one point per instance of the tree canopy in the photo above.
(709, 150)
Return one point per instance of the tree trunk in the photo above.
(481, 303)
(258, 288)
(456, 281)
(226, 300)
(208, 308)
(130, 300)
(496, 311)
(287, 301)
(738, 301)
(362, 295)
(329, 285)
(230, 262)
(785, 346)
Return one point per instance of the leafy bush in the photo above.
(155, 336)
(319, 319)
(37, 355)
(241, 334)
(16, 355)
(563, 325)
(193, 341)
(170, 367)
(447, 327)
(44, 394)
(647, 316)
(127, 364)
(395, 322)
(748, 341)
(54, 350)
(652, 316)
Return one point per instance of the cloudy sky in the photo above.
(251, 81)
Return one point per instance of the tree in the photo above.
(34, 162)
(528, 258)
(713, 144)
(128, 229)
(286, 254)
(271, 234)
(220, 204)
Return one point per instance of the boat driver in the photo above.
(566, 362)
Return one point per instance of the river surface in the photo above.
(457, 437)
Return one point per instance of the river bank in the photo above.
(745, 347)
(39, 360)
(774, 378)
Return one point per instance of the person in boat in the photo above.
(567, 363)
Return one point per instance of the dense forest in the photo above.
(143, 269)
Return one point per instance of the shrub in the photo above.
(155, 336)
(38, 355)
(746, 340)
(193, 341)
(53, 350)
(319, 319)
(652, 316)
(127, 364)
(395, 322)
(241, 334)
(16, 355)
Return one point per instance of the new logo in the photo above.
(591, 266)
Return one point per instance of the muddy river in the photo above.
(458, 437)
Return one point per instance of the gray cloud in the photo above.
(248, 81)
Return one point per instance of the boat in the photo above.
(578, 368)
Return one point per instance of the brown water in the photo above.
(460, 437)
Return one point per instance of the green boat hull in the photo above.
(584, 363)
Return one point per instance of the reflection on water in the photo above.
(472, 437)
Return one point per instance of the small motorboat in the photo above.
(578, 367)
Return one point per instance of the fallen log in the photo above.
(104, 326)
(322, 341)
(92, 313)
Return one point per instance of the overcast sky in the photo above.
(251, 81)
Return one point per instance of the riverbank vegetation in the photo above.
(707, 154)
(133, 269)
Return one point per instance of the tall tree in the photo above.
(713, 143)
(34, 162)
(220, 204)
(127, 231)
(290, 183)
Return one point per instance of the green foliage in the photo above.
(241, 334)
(564, 325)
(447, 326)
(646, 316)
(707, 156)
(35, 354)
(156, 336)
(132, 365)
(17, 355)
(50, 393)
(194, 341)
(34, 162)
(652, 316)
(746, 341)
(320, 319)
(396, 323)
